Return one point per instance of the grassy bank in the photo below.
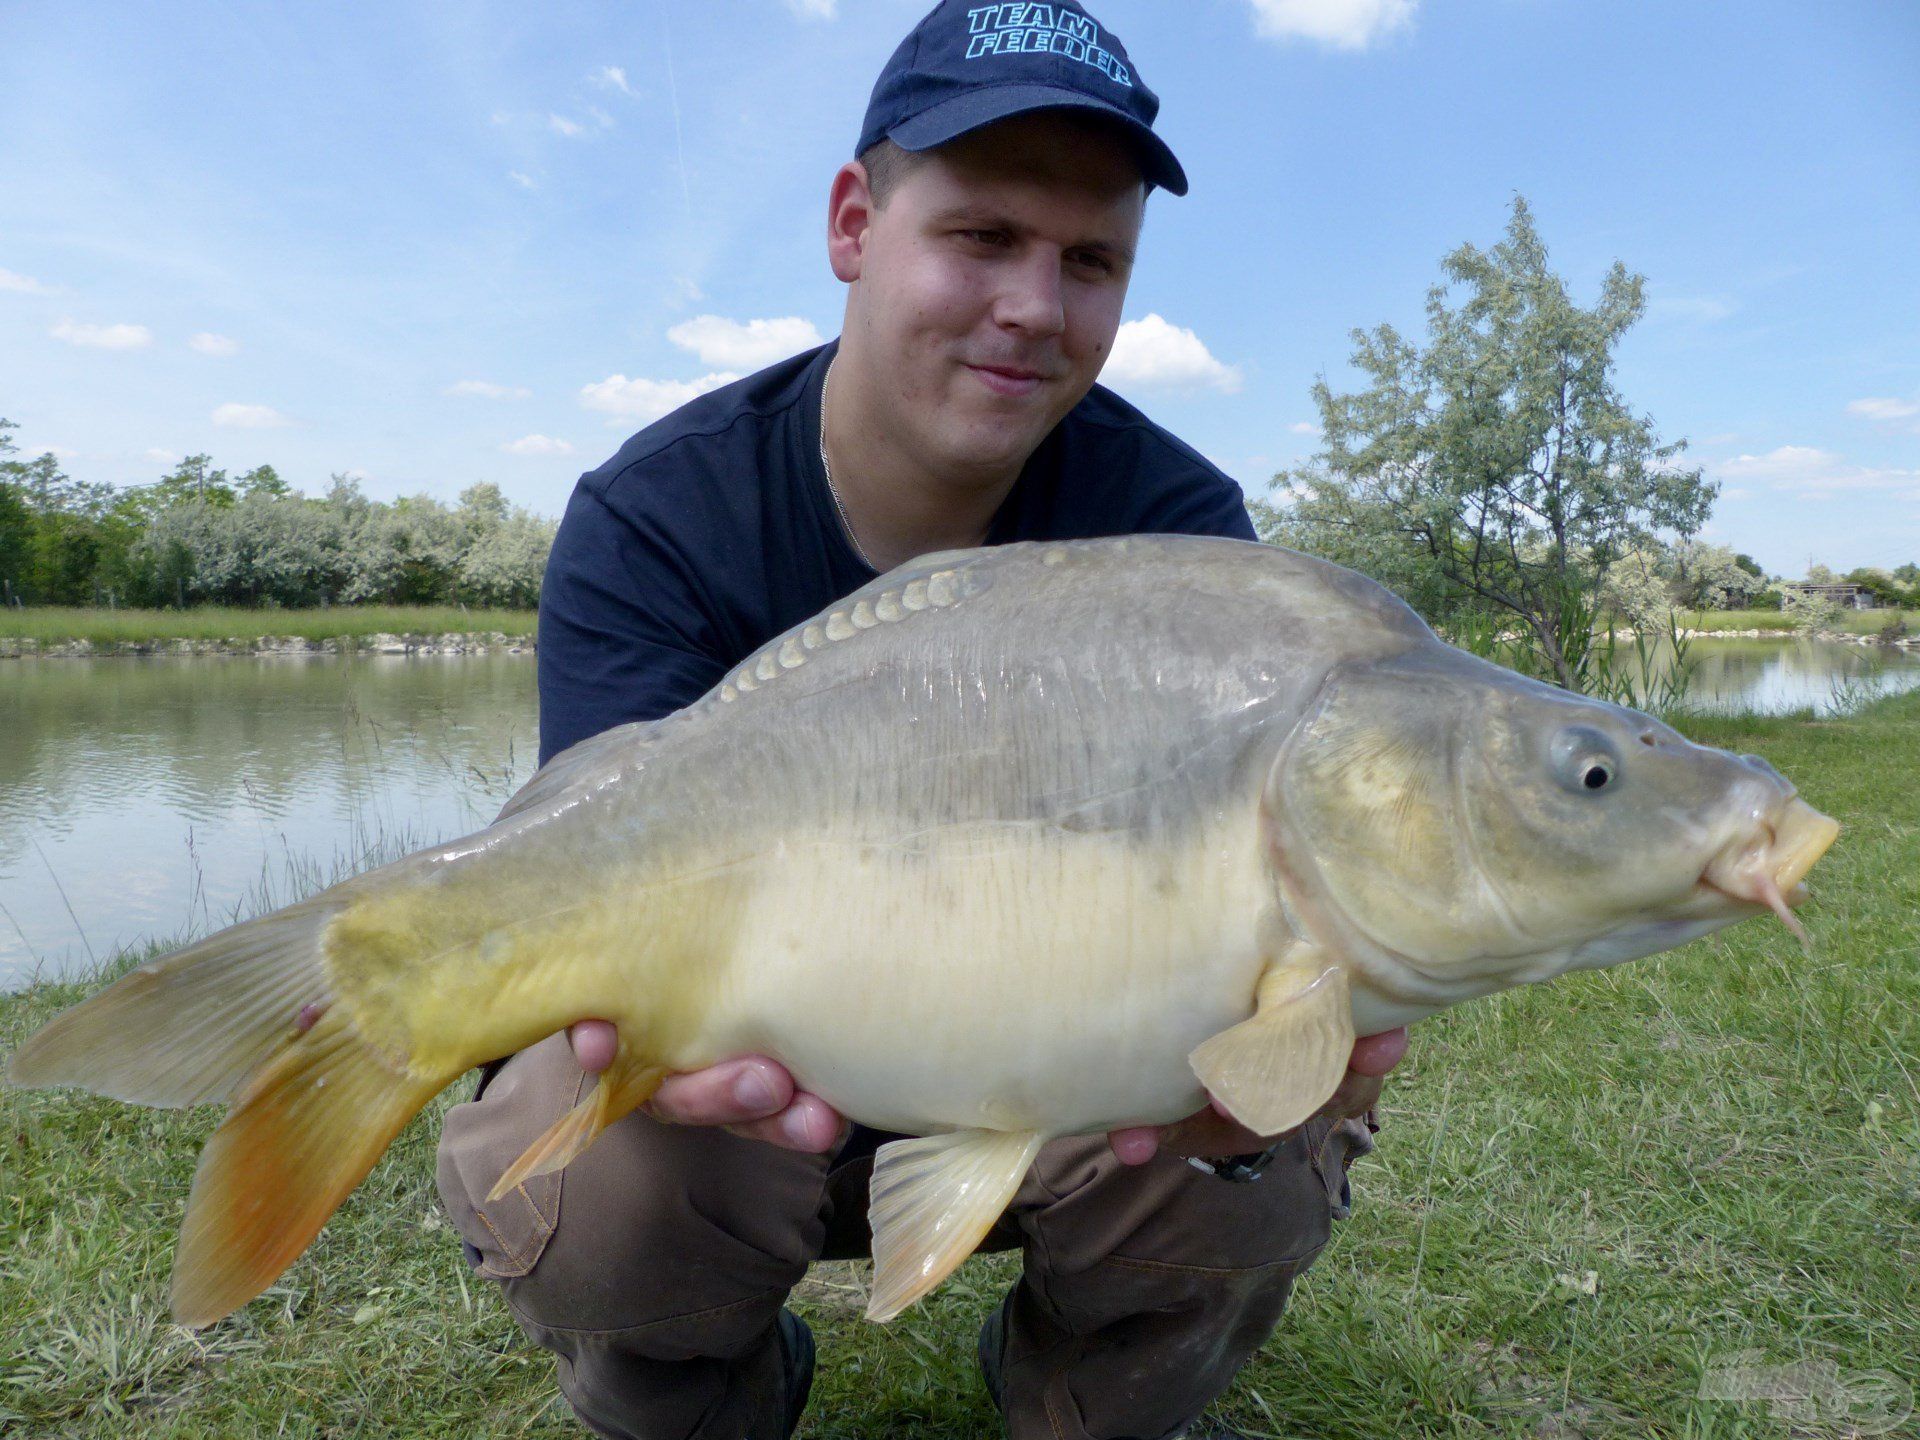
(1853, 622)
(52, 625)
(1585, 1196)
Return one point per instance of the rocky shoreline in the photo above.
(462, 643)
(1846, 637)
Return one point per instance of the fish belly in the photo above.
(1009, 976)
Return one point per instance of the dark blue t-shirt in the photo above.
(712, 531)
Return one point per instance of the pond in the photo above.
(153, 798)
(149, 798)
(1773, 676)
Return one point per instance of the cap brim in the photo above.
(952, 118)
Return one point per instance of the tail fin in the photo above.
(305, 1131)
(189, 1027)
(246, 1017)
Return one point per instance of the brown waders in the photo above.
(654, 1265)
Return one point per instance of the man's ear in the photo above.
(850, 212)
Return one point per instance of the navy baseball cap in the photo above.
(969, 63)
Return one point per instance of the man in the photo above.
(986, 235)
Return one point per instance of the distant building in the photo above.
(1847, 596)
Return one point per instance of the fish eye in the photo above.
(1584, 760)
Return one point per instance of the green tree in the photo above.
(16, 523)
(1712, 577)
(1500, 459)
(263, 481)
(194, 481)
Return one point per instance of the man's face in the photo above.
(988, 289)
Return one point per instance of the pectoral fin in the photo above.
(932, 1201)
(622, 1086)
(1274, 1070)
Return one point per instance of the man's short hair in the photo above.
(887, 163)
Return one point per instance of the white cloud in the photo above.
(537, 445)
(743, 345)
(207, 343)
(1807, 471)
(639, 399)
(1343, 24)
(613, 77)
(1153, 352)
(685, 290)
(522, 179)
(103, 337)
(1304, 427)
(21, 284)
(814, 9)
(561, 125)
(249, 417)
(605, 120)
(487, 390)
(1884, 407)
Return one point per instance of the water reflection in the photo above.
(1773, 676)
(147, 796)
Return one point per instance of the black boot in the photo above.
(796, 1351)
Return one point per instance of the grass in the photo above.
(1854, 622)
(54, 624)
(1586, 1195)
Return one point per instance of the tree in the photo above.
(193, 481)
(1501, 455)
(1712, 577)
(262, 480)
(16, 523)
(1635, 589)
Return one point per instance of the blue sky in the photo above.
(438, 243)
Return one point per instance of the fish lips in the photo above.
(1764, 869)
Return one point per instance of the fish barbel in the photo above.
(1014, 843)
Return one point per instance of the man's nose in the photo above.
(1031, 300)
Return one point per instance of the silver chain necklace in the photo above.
(826, 468)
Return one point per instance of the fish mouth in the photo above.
(1766, 867)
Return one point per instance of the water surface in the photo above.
(149, 797)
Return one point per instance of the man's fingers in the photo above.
(730, 1093)
(1377, 1054)
(808, 1125)
(1136, 1144)
(594, 1044)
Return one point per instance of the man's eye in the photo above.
(985, 237)
(1093, 260)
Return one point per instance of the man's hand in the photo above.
(1212, 1132)
(750, 1095)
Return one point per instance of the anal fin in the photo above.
(932, 1201)
(1274, 1070)
(620, 1088)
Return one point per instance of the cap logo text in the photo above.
(1029, 29)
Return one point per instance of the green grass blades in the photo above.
(1589, 1198)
